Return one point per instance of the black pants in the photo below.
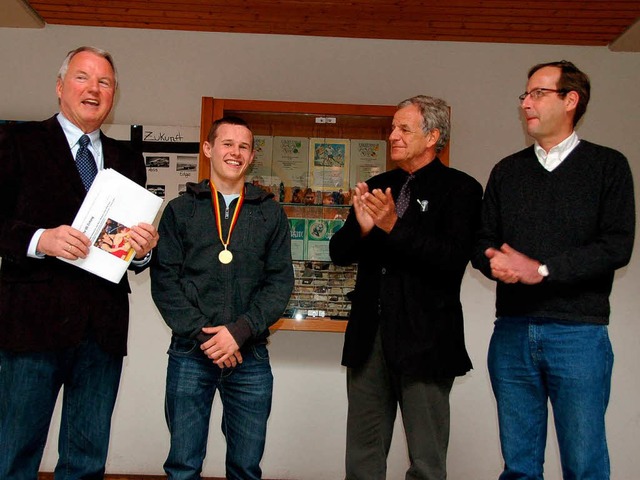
(374, 393)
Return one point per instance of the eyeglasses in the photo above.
(538, 93)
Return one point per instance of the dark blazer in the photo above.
(408, 281)
(46, 304)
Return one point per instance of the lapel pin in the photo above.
(424, 204)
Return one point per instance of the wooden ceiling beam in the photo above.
(573, 22)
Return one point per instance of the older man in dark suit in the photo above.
(60, 325)
(411, 233)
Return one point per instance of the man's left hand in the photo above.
(381, 207)
(143, 237)
(222, 347)
(510, 266)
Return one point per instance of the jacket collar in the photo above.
(252, 193)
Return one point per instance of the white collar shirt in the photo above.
(556, 154)
(73, 134)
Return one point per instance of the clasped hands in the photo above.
(374, 209)
(222, 348)
(510, 266)
(67, 242)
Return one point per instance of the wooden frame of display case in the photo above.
(301, 119)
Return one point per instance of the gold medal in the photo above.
(225, 257)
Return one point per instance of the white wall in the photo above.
(163, 75)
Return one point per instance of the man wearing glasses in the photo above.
(558, 220)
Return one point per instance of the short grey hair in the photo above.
(435, 116)
(97, 51)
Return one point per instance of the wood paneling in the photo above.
(585, 22)
(310, 325)
(122, 476)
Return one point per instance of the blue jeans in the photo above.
(29, 387)
(245, 391)
(533, 360)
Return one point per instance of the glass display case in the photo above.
(310, 155)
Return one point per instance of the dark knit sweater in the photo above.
(579, 220)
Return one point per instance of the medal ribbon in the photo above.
(216, 212)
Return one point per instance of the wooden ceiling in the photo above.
(574, 22)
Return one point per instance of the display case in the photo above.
(310, 155)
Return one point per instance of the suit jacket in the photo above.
(47, 304)
(408, 281)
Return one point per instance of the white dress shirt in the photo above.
(557, 154)
(73, 134)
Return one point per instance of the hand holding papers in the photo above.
(112, 206)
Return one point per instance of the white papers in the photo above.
(260, 172)
(368, 159)
(291, 160)
(112, 206)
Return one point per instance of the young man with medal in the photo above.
(222, 276)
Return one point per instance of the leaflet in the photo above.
(112, 206)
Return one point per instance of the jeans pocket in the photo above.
(260, 352)
(182, 346)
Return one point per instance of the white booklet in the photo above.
(112, 206)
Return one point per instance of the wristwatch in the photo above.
(543, 271)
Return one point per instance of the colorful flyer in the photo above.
(319, 233)
(329, 164)
(298, 228)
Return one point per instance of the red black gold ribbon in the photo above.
(225, 256)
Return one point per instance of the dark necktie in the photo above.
(85, 163)
(402, 202)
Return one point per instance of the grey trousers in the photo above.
(374, 393)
